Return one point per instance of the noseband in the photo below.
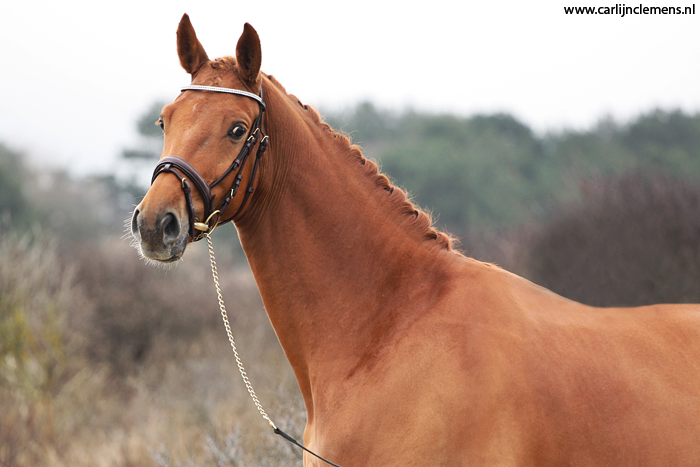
(186, 173)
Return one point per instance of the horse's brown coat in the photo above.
(406, 352)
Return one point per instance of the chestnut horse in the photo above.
(406, 352)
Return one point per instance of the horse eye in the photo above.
(238, 132)
(160, 123)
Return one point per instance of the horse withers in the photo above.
(406, 352)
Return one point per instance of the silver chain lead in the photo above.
(224, 316)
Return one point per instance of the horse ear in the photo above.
(249, 54)
(191, 53)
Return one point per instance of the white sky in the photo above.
(75, 75)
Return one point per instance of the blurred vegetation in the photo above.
(107, 362)
(632, 240)
(150, 134)
(493, 171)
(13, 201)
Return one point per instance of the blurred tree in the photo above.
(485, 170)
(14, 207)
(138, 160)
(492, 171)
(146, 124)
(151, 141)
(364, 123)
(668, 141)
(478, 171)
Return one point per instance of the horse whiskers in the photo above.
(134, 243)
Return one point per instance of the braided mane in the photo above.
(416, 219)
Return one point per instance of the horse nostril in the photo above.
(135, 224)
(171, 227)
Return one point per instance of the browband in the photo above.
(196, 87)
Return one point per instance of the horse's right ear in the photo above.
(249, 55)
(191, 53)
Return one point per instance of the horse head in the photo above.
(210, 131)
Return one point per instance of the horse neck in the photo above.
(336, 265)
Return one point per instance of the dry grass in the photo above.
(107, 362)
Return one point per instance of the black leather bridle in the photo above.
(186, 173)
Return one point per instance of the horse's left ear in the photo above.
(249, 55)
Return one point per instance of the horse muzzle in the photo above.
(161, 236)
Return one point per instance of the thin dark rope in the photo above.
(295, 442)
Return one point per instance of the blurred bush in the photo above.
(630, 240)
(138, 306)
(42, 316)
